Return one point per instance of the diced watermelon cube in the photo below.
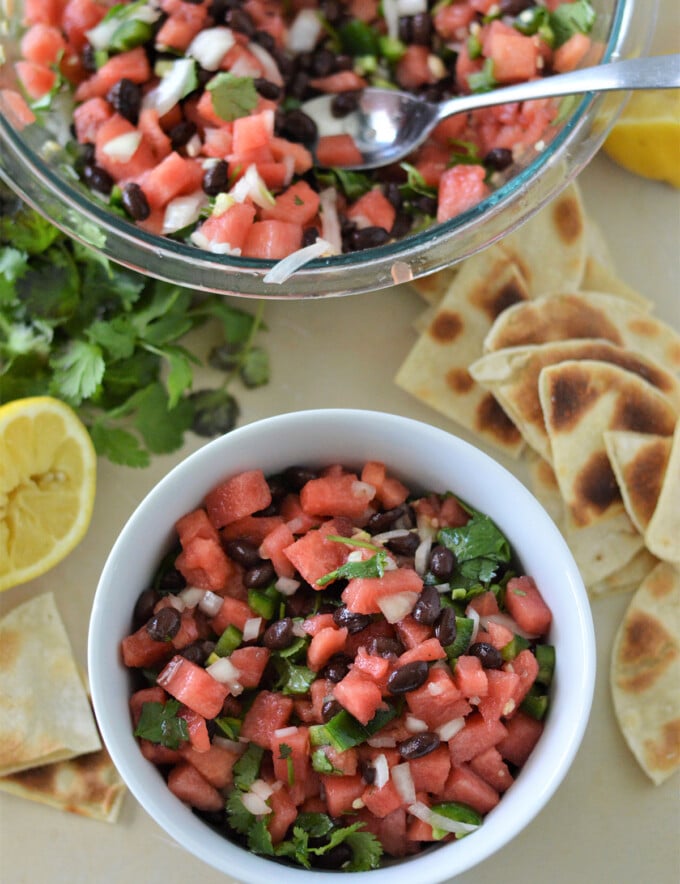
(526, 606)
(525, 666)
(203, 563)
(199, 738)
(314, 556)
(500, 699)
(284, 812)
(361, 595)
(324, 645)
(477, 736)
(337, 150)
(239, 496)
(251, 662)
(460, 188)
(466, 786)
(489, 765)
(292, 761)
(342, 792)
(470, 677)
(193, 686)
(341, 495)
(298, 203)
(190, 786)
(173, 176)
(428, 651)
(216, 765)
(359, 695)
(384, 800)
(233, 612)
(272, 240)
(269, 712)
(273, 546)
(431, 770)
(373, 209)
(145, 695)
(140, 651)
(523, 733)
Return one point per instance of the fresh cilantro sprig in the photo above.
(479, 547)
(160, 723)
(113, 343)
(373, 567)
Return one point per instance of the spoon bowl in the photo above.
(387, 125)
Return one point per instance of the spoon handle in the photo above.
(658, 72)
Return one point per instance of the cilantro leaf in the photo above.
(484, 80)
(78, 371)
(293, 678)
(373, 567)
(160, 723)
(215, 412)
(479, 547)
(571, 18)
(232, 96)
(247, 768)
(245, 823)
(255, 367)
(118, 445)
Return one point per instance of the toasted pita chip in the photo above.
(580, 401)
(432, 288)
(512, 376)
(601, 550)
(88, 785)
(662, 535)
(645, 674)
(628, 578)
(436, 369)
(550, 249)
(45, 715)
(639, 462)
(564, 315)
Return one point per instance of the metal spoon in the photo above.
(388, 125)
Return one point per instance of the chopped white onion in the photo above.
(330, 220)
(378, 742)
(411, 7)
(390, 564)
(296, 525)
(442, 587)
(286, 267)
(230, 745)
(506, 620)
(390, 535)
(245, 67)
(304, 32)
(177, 82)
(403, 781)
(299, 629)
(101, 35)
(382, 771)
(193, 146)
(123, 147)
(210, 46)
(254, 804)
(391, 15)
(175, 602)
(474, 616)
(183, 211)
(363, 489)
(283, 732)
(396, 607)
(224, 671)
(288, 163)
(261, 788)
(421, 556)
(436, 66)
(435, 688)
(251, 628)
(217, 248)
(269, 65)
(450, 728)
(251, 186)
(192, 595)
(436, 820)
(415, 725)
(287, 585)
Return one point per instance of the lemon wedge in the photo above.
(646, 138)
(48, 470)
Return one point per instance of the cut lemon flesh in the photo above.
(48, 469)
(646, 138)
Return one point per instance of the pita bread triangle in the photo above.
(565, 314)
(662, 534)
(512, 374)
(580, 401)
(45, 715)
(645, 673)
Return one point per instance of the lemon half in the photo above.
(48, 469)
(646, 138)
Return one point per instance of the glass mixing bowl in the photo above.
(29, 163)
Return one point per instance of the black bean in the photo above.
(418, 745)
(426, 204)
(442, 563)
(310, 236)
(87, 58)
(298, 86)
(393, 193)
(354, 622)
(335, 858)
(144, 606)
(198, 651)
(380, 522)
(239, 20)
(428, 607)
(406, 29)
(259, 576)
(216, 178)
(126, 98)
(336, 668)
(445, 628)
(181, 133)
(405, 545)
(408, 677)
(498, 158)
(344, 63)
(279, 635)
(514, 7)
(402, 224)
(384, 646)
(344, 103)
(367, 772)
(243, 552)
(302, 602)
(323, 62)
(296, 477)
(297, 126)
(488, 655)
(421, 29)
(267, 89)
(135, 202)
(332, 11)
(329, 708)
(164, 625)
(171, 581)
(98, 179)
(369, 238)
(265, 40)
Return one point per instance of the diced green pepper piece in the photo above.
(461, 813)
(230, 639)
(545, 654)
(514, 646)
(343, 730)
(130, 34)
(321, 763)
(474, 46)
(264, 601)
(230, 727)
(535, 704)
(390, 48)
(358, 38)
(464, 629)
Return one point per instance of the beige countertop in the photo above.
(607, 822)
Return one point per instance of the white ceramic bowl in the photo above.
(426, 458)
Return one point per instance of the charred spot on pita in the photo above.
(596, 488)
(644, 477)
(493, 420)
(571, 397)
(643, 412)
(568, 219)
(647, 649)
(459, 380)
(446, 326)
(664, 754)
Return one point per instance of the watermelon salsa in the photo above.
(332, 670)
(186, 113)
